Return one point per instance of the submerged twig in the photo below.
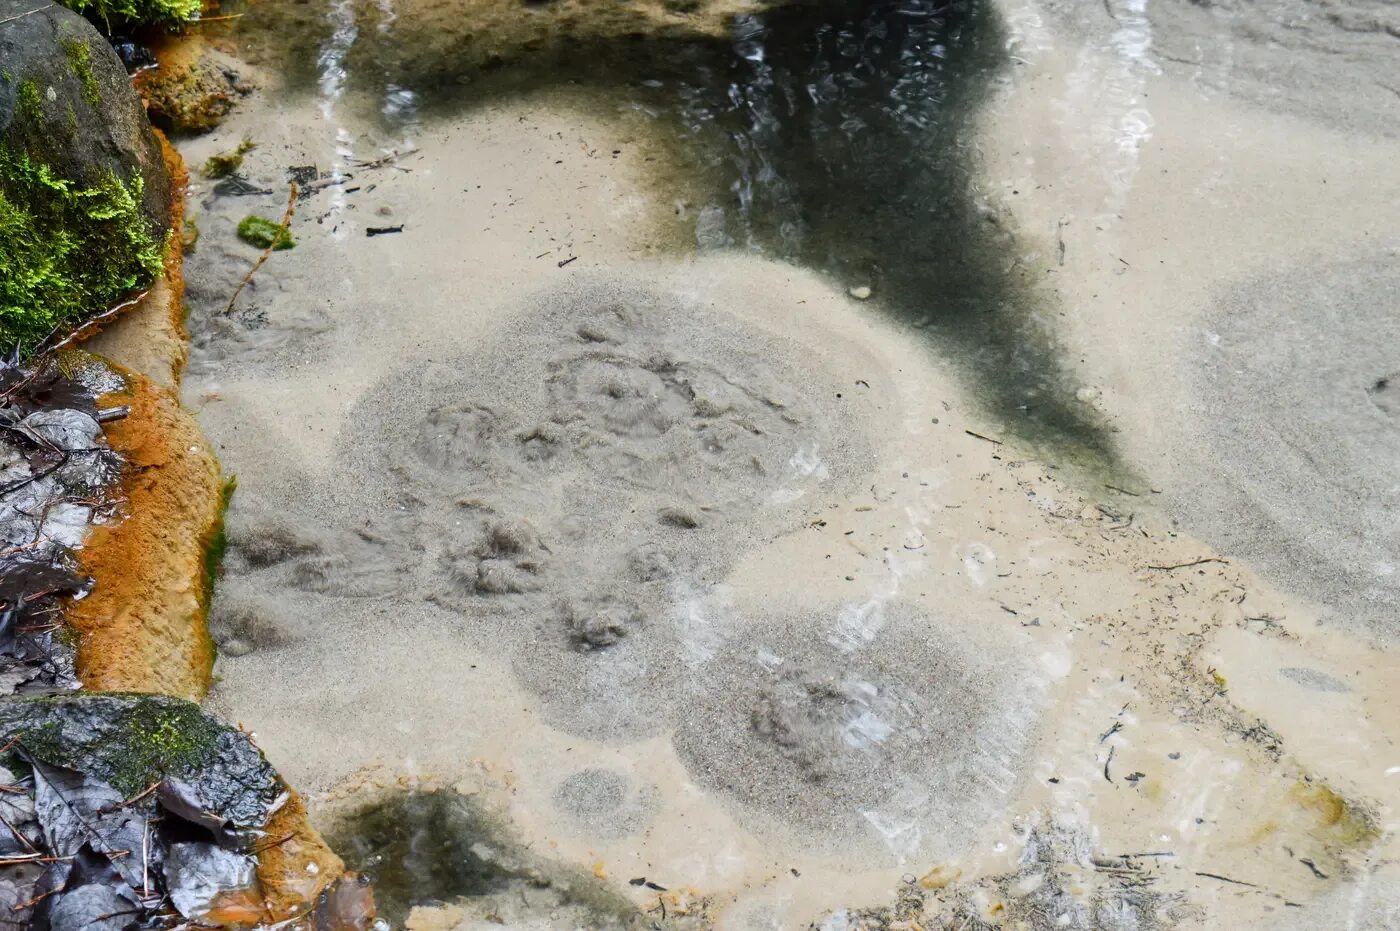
(283, 226)
(379, 162)
(1186, 565)
(11, 19)
(1226, 879)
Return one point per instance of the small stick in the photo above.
(36, 900)
(18, 836)
(273, 844)
(283, 226)
(981, 437)
(378, 162)
(82, 331)
(142, 794)
(1226, 879)
(11, 19)
(1195, 562)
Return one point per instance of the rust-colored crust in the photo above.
(142, 629)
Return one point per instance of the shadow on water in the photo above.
(836, 134)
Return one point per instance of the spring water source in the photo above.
(860, 463)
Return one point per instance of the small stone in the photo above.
(860, 292)
(1087, 395)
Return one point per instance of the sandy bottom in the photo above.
(698, 570)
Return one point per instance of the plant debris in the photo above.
(55, 473)
(264, 233)
(227, 163)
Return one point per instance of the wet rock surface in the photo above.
(193, 93)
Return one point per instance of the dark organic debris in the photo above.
(437, 845)
(124, 811)
(234, 186)
(1059, 883)
(303, 175)
(383, 230)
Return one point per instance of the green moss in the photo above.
(137, 12)
(262, 232)
(162, 739)
(225, 164)
(79, 57)
(149, 737)
(28, 101)
(71, 251)
(218, 540)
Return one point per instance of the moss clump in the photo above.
(79, 57)
(225, 164)
(137, 12)
(263, 233)
(70, 251)
(28, 103)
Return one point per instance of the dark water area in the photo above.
(837, 135)
(427, 847)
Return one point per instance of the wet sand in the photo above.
(700, 569)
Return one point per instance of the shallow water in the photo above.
(837, 135)
(599, 513)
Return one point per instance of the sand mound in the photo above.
(1295, 380)
(914, 730)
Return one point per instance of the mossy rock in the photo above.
(195, 96)
(134, 741)
(85, 199)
